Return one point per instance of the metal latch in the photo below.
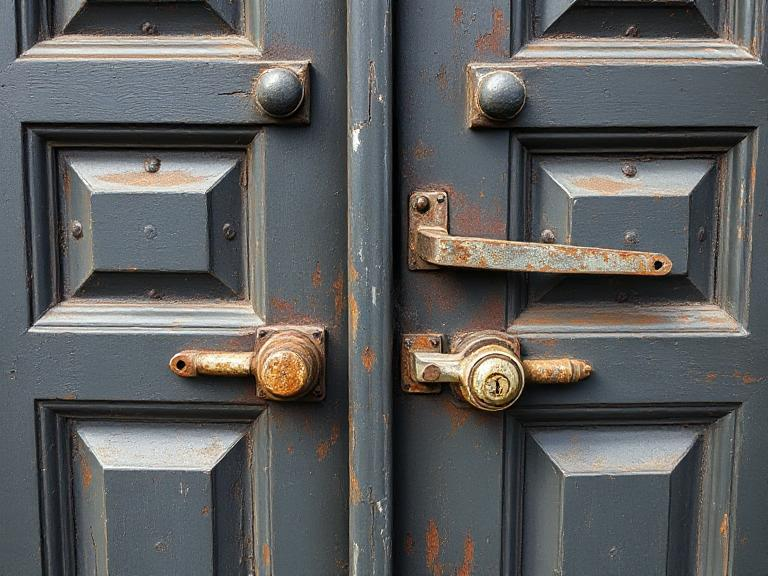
(431, 246)
(484, 368)
(288, 363)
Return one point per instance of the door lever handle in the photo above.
(288, 363)
(484, 368)
(431, 246)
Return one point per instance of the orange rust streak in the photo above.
(603, 185)
(369, 359)
(324, 447)
(494, 41)
(469, 557)
(432, 538)
(354, 315)
(317, 276)
(161, 179)
(458, 15)
(266, 555)
(410, 544)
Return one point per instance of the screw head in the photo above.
(629, 170)
(229, 231)
(279, 92)
(631, 237)
(150, 232)
(77, 229)
(148, 28)
(547, 237)
(500, 95)
(632, 32)
(421, 204)
(407, 342)
(152, 165)
(440, 198)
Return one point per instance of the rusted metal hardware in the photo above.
(288, 363)
(431, 246)
(484, 368)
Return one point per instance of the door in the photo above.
(634, 127)
(173, 183)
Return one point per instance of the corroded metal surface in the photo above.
(556, 371)
(418, 343)
(287, 363)
(430, 245)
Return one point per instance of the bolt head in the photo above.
(152, 165)
(629, 170)
(500, 95)
(148, 28)
(229, 231)
(421, 204)
(77, 230)
(631, 237)
(547, 237)
(279, 92)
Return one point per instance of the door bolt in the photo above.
(547, 236)
(629, 170)
(77, 230)
(229, 231)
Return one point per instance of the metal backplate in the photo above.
(317, 334)
(428, 342)
(429, 213)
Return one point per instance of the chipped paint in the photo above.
(161, 179)
(369, 359)
(495, 41)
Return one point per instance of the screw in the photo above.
(702, 235)
(149, 28)
(155, 294)
(629, 170)
(77, 230)
(631, 237)
(431, 373)
(547, 236)
(632, 32)
(229, 231)
(421, 204)
(407, 342)
(152, 165)
(150, 232)
(317, 335)
(441, 198)
(434, 341)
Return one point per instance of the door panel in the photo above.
(153, 206)
(627, 142)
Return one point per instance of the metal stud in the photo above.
(77, 230)
(421, 204)
(152, 165)
(500, 95)
(229, 231)
(279, 92)
(547, 237)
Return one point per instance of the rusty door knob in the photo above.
(287, 363)
(485, 369)
(500, 95)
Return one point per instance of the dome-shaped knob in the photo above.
(279, 92)
(287, 365)
(500, 95)
(494, 378)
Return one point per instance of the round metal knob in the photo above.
(279, 92)
(287, 365)
(501, 95)
(493, 379)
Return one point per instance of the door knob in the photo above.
(484, 368)
(431, 246)
(288, 363)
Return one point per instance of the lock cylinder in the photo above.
(493, 378)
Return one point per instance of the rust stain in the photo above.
(458, 15)
(422, 151)
(432, 538)
(355, 494)
(724, 534)
(602, 185)
(290, 449)
(205, 511)
(161, 179)
(369, 359)
(87, 473)
(410, 544)
(266, 555)
(282, 305)
(494, 41)
(284, 373)
(747, 378)
(324, 447)
(556, 370)
(442, 79)
(317, 276)
(354, 315)
(469, 557)
(711, 376)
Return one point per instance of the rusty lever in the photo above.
(287, 363)
(484, 368)
(431, 246)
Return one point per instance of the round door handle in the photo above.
(500, 95)
(279, 92)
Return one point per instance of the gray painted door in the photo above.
(149, 206)
(644, 128)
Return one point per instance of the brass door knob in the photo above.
(286, 362)
(484, 369)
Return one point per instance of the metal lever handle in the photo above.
(484, 368)
(431, 246)
(287, 363)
